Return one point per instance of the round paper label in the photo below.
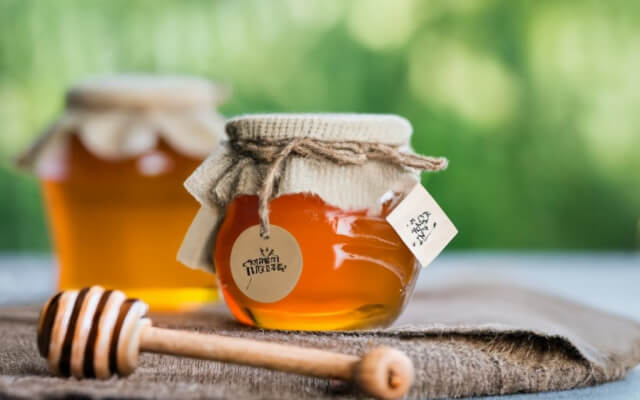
(266, 270)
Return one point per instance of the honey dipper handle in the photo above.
(384, 373)
(275, 356)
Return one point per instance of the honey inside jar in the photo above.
(119, 223)
(356, 271)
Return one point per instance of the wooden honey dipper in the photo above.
(98, 333)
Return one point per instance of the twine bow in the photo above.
(275, 152)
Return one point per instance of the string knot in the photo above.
(274, 152)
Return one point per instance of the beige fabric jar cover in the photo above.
(123, 116)
(349, 160)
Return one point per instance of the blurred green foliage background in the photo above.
(536, 103)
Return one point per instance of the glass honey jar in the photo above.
(294, 214)
(112, 168)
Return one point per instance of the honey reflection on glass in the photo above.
(119, 224)
(356, 271)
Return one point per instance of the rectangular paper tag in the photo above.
(422, 225)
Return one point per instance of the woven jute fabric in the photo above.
(124, 116)
(464, 340)
(348, 160)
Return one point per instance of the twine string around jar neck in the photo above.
(274, 152)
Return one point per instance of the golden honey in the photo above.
(356, 271)
(119, 223)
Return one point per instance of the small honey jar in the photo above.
(293, 219)
(112, 168)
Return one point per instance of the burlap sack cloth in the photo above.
(123, 116)
(464, 340)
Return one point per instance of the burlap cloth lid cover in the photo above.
(348, 160)
(123, 116)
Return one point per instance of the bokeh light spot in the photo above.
(449, 74)
(382, 24)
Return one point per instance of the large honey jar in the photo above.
(294, 214)
(112, 168)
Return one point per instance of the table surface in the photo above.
(609, 281)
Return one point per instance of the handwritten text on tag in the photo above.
(422, 225)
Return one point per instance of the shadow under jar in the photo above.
(112, 170)
(319, 253)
